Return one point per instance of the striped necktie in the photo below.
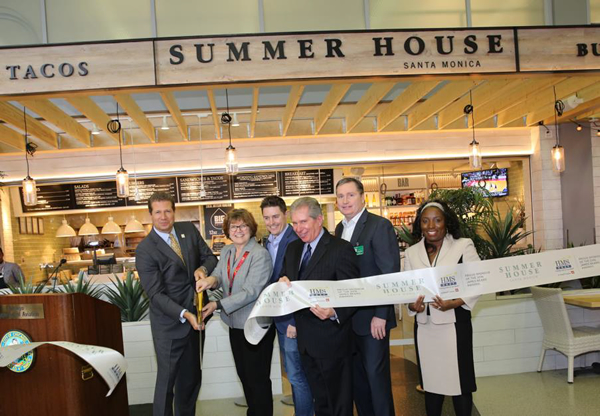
(176, 247)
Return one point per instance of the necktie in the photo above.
(176, 247)
(305, 260)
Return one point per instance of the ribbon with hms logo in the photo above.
(449, 282)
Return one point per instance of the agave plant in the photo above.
(27, 288)
(129, 297)
(82, 286)
(503, 233)
(403, 233)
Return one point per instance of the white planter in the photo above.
(508, 334)
(219, 378)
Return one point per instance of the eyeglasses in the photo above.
(242, 227)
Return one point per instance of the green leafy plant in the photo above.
(404, 233)
(503, 233)
(27, 288)
(129, 297)
(82, 286)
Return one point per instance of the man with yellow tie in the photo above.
(169, 261)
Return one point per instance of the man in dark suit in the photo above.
(324, 334)
(169, 260)
(10, 273)
(374, 241)
(281, 234)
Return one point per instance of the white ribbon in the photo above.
(449, 282)
(110, 364)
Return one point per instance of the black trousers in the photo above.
(253, 366)
(330, 381)
(178, 363)
(372, 378)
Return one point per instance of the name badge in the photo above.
(359, 250)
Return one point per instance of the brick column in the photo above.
(546, 193)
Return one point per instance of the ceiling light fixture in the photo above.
(134, 226)
(122, 177)
(558, 152)
(164, 126)
(29, 186)
(88, 228)
(474, 150)
(65, 230)
(111, 227)
(95, 130)
(231, 164)
(579, 127)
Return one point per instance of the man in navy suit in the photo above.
(376, 247)
(324, 334)
(274, 213)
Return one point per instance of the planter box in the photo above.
(219, 378)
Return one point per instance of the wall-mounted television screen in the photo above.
(494, 180)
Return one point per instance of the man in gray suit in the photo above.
(169, 261)
(9, 272)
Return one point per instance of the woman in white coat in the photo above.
(443, 331)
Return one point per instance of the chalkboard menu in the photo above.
(216, 186)
(254, 185)
(96, 195)
(146, 187)
(51, 198)
(307, 182)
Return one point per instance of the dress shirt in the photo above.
(313, 244)
(273, 243)
(165, 237)
(350, 225)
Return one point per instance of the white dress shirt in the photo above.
(350, 225)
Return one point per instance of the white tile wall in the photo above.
(219, 378)
(508, 334)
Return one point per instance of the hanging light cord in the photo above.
(469, 110)
(114, 126)
(559, 108)
(226, 117)
(30, 148)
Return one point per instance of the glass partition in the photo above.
(20, 22)
(308, 15)
(404, 14)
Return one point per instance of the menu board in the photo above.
(307, 182)
(146, 187)
(51, 198)
(216, 186)
(96, 195)
(255, 185)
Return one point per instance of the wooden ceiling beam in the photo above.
(484, 93)
(403, 102)
(367, 102)
(12, 115)
(512, 97)
(12, 138)
(290, 107)
(541, 104)
(331, 101)
(214, 111)
(171, 104)
(254, 111)
(52, 114)
(91, 110)
(137, 115)
(440, 100)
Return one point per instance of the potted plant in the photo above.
(129, 296)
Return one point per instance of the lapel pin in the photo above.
(182, 235)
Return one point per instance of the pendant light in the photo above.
(114, 126)
(231, 164)
(136, 189)
(558, 152)
(474, 151)
(88, 228)
(65, 230)
(29, 186)
(202, 192)
(111, 227)
(134, 226)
